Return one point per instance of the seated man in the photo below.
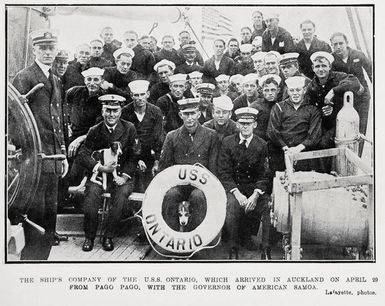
(189, 144)
(100, 136)
(147, 119)
(243, 169)
(294, 126)
(221, 122)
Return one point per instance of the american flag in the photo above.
(215, 25)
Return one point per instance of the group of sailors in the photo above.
(236, 113)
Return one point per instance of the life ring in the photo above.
(157, 228)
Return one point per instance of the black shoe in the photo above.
(266, 254)
(107, 244)
(233, 253)
(88, 245)
(60, 237)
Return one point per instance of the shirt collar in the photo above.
(45, 68)
(248, 140)
(111, 127)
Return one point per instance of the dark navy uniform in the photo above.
(198, 58)
(304, 62)
(283, 42)
(264, 109)
(168, 55)
(73, 76)
(143, 62)
(169, 107)
(222, 130)
(120, 81)
(210, 72)
(99, 62)
(186, 68)
(244, 68)
(109, 49)
(46, 106)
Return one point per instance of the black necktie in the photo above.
(243, 144)
(50, 77)
(111, 130)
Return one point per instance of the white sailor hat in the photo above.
(263, 79)
(97, 39)
(44, 37)
(270, 15)
(246, 48)
(223, 102)
(93, 71)
(257, 40)
(195, 74)
(139, 86)
(111, 101)
(164, 62)
(205, 88)
(295, 82)
(246, 114)
(274, 53)
(186, 105)
(177, 77)
(289, 58)
(323, 54)
(222, 77)
(258, 56)
(121, 51)
(250, 78)
(235, 77)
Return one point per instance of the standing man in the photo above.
(221, 122)
(143, 61)
(168, 102)
(168, 52)
(258, 24)
(294, 126)
(100, 136)
(147, 119)
(164, 69)
(205, 91)
(307, 46)
(97, 59)
(326, 91)
(46, 106)
(189, 144)
(154, 44)
(353, 62)
(243, 169)
(276, 38)
(232, 49)
(246, 65)
(190, 65)
(116, 79)
(73, 75)
(184, 39)
(110, 44)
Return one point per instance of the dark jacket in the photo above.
(186, 69)
(283, 42)
(304, 62)
(73, 76)
(168, 55)
(198, 58)
(84, 111)
(244, 67)
(120, 81)
(143, 62)
(179, 149)
(356, 64)
(264, 109)
(99, 138)
(245, 169)
(222, 131)
(170, 110)
(109, 49)
(210, 72)
(46, 106)
(99, 62)
(149, 130)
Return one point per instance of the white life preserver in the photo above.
(156, 227)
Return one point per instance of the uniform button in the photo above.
(199, 155)
(186, 154)
(53, 117)
(248, 176)
(59, 130)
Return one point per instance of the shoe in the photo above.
(266, 254)
(88, 245)
(233, 253)
(107, 244)
(60, 237)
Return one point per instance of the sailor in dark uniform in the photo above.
(189, 65)
(116, 79)
(110, 44)
(168, 52)
(46, 107)
(164, 70)
(258, 59)
(205, 91)
(243, 169)
(191, 143)
(147, 119)
(250, 89)
(97, 59)
(101, 136)
(246, 65)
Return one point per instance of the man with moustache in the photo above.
(147, 119)
(116, 79)
(100, 136)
